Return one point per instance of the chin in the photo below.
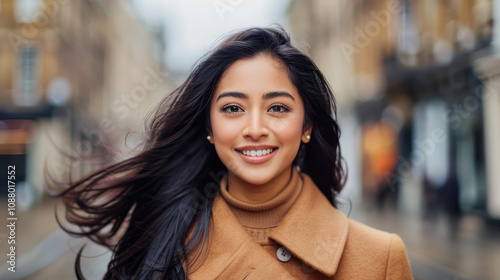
(255, 174)
(257, 181)
(255, 177)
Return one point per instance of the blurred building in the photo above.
(408, 66)
(319, 28)
(75, 75)
(487, 66)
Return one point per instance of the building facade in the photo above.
(76, 76)
(407, 69)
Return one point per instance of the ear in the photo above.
(307, 132)
(211, 139)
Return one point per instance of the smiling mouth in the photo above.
(257, 153)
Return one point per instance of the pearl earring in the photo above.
(308, 137)
(208, 137)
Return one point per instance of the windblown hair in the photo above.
(149, 202)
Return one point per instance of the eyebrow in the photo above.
(268, 95)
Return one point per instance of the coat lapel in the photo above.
(233, 253)
(312, 230)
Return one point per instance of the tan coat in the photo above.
(323, 242)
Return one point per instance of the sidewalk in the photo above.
(43, 250)
(440, 247)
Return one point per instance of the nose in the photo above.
(255, 126)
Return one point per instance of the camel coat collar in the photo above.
(312, 230)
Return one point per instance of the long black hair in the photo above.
(149, 202)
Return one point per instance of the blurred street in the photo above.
(44, 251)
(417, 92)
(439, 246)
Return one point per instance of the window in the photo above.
(26, 94)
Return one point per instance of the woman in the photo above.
(237, 179)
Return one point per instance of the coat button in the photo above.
(283, 254)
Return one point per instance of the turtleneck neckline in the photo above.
(260, 218)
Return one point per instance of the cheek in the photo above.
(288, 130)
(224, 131)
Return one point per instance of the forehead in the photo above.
(256, 76)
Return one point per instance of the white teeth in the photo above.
(257, 153)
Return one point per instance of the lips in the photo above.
(257, 153)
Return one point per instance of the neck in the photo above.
(251, 193)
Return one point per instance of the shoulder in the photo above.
(374, 252)
(371, 237)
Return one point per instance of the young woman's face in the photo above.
(257, 119)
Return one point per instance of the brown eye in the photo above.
(231, 109)
(279, 108)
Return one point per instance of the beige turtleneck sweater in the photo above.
(260, 218)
